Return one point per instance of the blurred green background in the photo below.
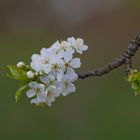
(102, 108)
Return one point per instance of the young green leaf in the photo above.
(19, 92)
(17, 73)
(134, 79)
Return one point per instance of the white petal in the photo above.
(80, 40)
(70, 50)
(33, 84)
(75, 63)
(71, 75)
(46, 68)
(56, 45)
(61, 53)
(71, 88)
(35, 66)
(72, 41)
(60, 76)
(42, 87)
(41, 98)
(44, 94)
(84, 47)
(43, 51)
(54, 90)
(67, 90)
(35, 57)
(44, 79)
(30, 93)
(68, 56)
(51, 78)
(35, 101)
(79, 51)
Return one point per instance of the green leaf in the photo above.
(17, 73)
(19, 92)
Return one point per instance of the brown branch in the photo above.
(128, 66)
(125, 58)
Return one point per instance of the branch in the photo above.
(125, 58)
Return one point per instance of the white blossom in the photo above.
(73, 63)
(35, 63)
(78, 44)
(45, 60)
(35, 89)
(48, 96)
(55, 68)
(66, 86)
(42, 62)
(70, 74)
(63, 48)
(47, 79)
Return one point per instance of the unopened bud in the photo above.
(20, 64)
(30, 74)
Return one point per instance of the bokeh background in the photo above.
(102, 108)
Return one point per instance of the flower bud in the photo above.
(30, 74)
(36, 73)
(41, 73)
(20, 64)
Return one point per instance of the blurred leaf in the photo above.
(20, 91)
(134, 86)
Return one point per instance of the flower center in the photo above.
(46, 61)
(63, 47)
(67, 64)
(37, 90)
(78, 45)
(49, 94)
(55, 66)
(66, 84)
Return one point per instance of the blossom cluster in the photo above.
(52, 72)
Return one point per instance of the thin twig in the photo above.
(122, 59)
(128, 66)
